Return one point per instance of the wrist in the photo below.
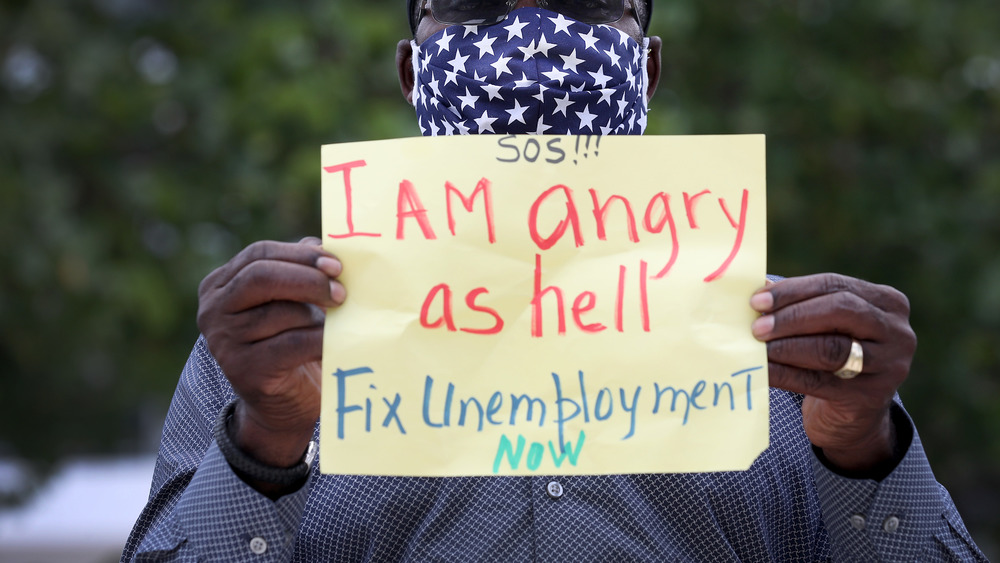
(267, 443)
(875, 456)
(275, 475)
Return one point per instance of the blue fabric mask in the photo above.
(535, 72)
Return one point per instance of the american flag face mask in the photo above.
(535, 72)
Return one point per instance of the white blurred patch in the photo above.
(83, 514)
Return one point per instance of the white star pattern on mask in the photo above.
(500, 65)
(544, 46)
(615, 57)
(514, 29)
(524, 75)
(606, 96)
(528, 51)
(589, 39)
(444, 42)
(542, 127)
(563, 104)
(586, 118)
(622, 37)
(524, 82)
(435, 87)
(485, 45)
(492, 90)
(458, 63)
(622, 104)
(562, 24)
(468, 99)
(540, 96)
(485, 122)
(556, 75)
(600, 79)
(570, 61)
(516, 113)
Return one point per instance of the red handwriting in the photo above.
(447, 315)
(408, 206)
(601, 216)
(554, 215)
(664, 218)
(689, 203)
(483, 187)
(740, 229)
(586, 301)
(346, 168)
(657, 216)
(572, 218)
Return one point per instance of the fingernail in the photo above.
(329, 266)
(337, 292)
(762, 326)
(762, 302)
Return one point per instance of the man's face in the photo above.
(428, 26)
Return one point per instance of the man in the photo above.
(845, 477)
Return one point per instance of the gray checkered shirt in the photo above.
(787, 507)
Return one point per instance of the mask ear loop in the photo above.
(415, 61)
(644, 74)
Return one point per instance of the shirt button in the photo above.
(554, 489)
(258, 546)
(858, 522)
(891, 524)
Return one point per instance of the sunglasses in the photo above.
(488, 12)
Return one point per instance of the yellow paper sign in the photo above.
(528, 305)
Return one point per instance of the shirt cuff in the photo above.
(898, 515)
(221, 516)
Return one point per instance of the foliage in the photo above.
(143, 143)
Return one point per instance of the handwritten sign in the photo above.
(529, 305)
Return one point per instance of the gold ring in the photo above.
(855, 362)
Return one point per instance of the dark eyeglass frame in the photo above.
(415, 11)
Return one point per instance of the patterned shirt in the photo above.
(787, 507)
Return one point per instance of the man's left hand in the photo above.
(809, 323)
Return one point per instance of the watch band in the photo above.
(245, 465)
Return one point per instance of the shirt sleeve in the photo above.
(220, 518)
(908, 516)
(198, 508)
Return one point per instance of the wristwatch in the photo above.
(244, 465)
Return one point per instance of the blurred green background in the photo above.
(144, 142)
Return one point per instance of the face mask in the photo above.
(535, 72)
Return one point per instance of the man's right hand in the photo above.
(262, 315)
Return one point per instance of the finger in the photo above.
(292, 348)
(860, 394)
(303, 254)
(811, 383)
(826, 353)
(266, 321)
(265, 281)
(795, 290)
(840, 313)
(273, 358)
